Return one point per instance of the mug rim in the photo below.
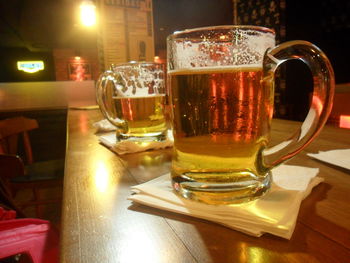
(176, 34)
(135, 63)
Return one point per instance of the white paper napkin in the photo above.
(340, 157)
(274, 213)
(104, 126)
(109, 140)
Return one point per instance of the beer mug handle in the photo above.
(322, 98)
(105, 79)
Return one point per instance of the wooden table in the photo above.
(101, 225)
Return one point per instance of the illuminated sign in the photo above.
(30, 66)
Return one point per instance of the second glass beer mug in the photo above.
(132, 97)
(222, 89)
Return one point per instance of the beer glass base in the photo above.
(221, 193)
(147, 137)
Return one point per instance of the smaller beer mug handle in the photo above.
(106, 78)
(322, 97)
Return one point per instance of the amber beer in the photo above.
(221, 80)
(221, 119)
(131, 96)
(141, 116)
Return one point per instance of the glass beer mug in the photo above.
(132, 97)
(222, 90)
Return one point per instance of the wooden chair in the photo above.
(24, 172)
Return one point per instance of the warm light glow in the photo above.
(157, 59)
(344, 121)
(317, 104)
(139, 238)
(77, 58)
(83, 123)
(30, 66)
(255, 254)
(101, 177)
(88, 13)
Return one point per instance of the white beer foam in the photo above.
(239, 47)
(139, 97)
(130, 81)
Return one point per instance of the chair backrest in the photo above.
(11, 130)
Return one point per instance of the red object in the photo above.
(344, 121)
(7, 214)
(34, 237)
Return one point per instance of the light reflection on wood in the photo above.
(99, 224)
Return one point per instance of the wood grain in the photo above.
(101, 225)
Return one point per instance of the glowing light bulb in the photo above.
(88, 13)
(157, 59)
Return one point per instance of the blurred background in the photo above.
(50, 36)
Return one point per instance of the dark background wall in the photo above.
(325, 23)
(173, 15)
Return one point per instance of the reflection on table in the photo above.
(101, 225)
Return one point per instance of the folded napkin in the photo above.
(275, 213)
(130, 146)
(104, 126)
(339, 157)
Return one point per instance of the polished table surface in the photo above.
(99, 224)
